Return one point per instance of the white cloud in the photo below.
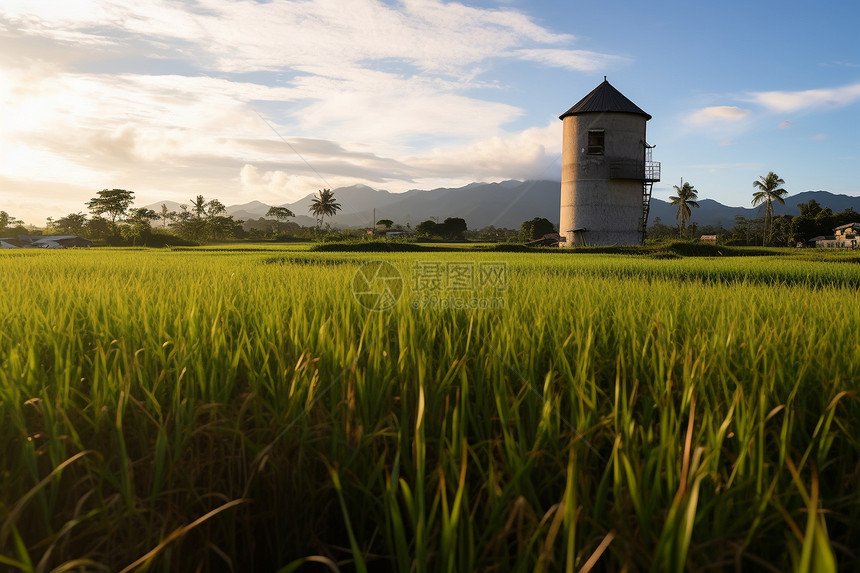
(429, 34)
(783, 101)
(278, 187)
(408, 115)
(382, 93)
(530, 154)
(718, 114)
(245, 36)
(784, 125)
(576, 60)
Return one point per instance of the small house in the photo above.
(847, 235)
(843, 237)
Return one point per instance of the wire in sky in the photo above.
(281, 137)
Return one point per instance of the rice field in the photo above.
(244, 410)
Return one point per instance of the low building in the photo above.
(709, 239)
(848, 234)
(843, 237)
(548, 240)
(45, 242)
(823, 242)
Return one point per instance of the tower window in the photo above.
(595, 141)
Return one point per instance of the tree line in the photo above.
(783, 230)
(9, 225)
(113, 220)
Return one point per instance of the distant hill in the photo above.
(171, 206)
(252, 210)
(711, 212)
(505, 204)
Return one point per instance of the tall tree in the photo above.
(280, 213)
(71, 224)
(535, 229)
(427, 228)
(324, 205)
(769, 190)
(685, 198)
(810, 209)
(214, 208)
(114, 202)
(454, 228)
(207, 222)
(100, 228)
(198, 205)
(8, 221)
(142, 214)
(165, 215)
(138, 224)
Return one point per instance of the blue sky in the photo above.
(172, 99)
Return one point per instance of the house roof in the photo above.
(823, 238)
(847, 226)
(48, 241)
(37, 238)
(546, 239)
(604, 98)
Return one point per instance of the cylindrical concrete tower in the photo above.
(606, 171)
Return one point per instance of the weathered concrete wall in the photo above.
(609, 209)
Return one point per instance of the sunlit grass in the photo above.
(237, 407)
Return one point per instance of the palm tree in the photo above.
(199, 206)
(165, 214)
(769, 190)
(324, 205)
(685, 198)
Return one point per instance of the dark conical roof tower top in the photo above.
(604, 98)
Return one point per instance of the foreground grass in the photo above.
(221, 409)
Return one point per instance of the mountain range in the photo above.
(506, 204)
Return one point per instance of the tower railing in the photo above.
(632, 169)
(652, 171)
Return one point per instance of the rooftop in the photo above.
(604, 98)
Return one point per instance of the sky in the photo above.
(244, 100)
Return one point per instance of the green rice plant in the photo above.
(241, 410)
